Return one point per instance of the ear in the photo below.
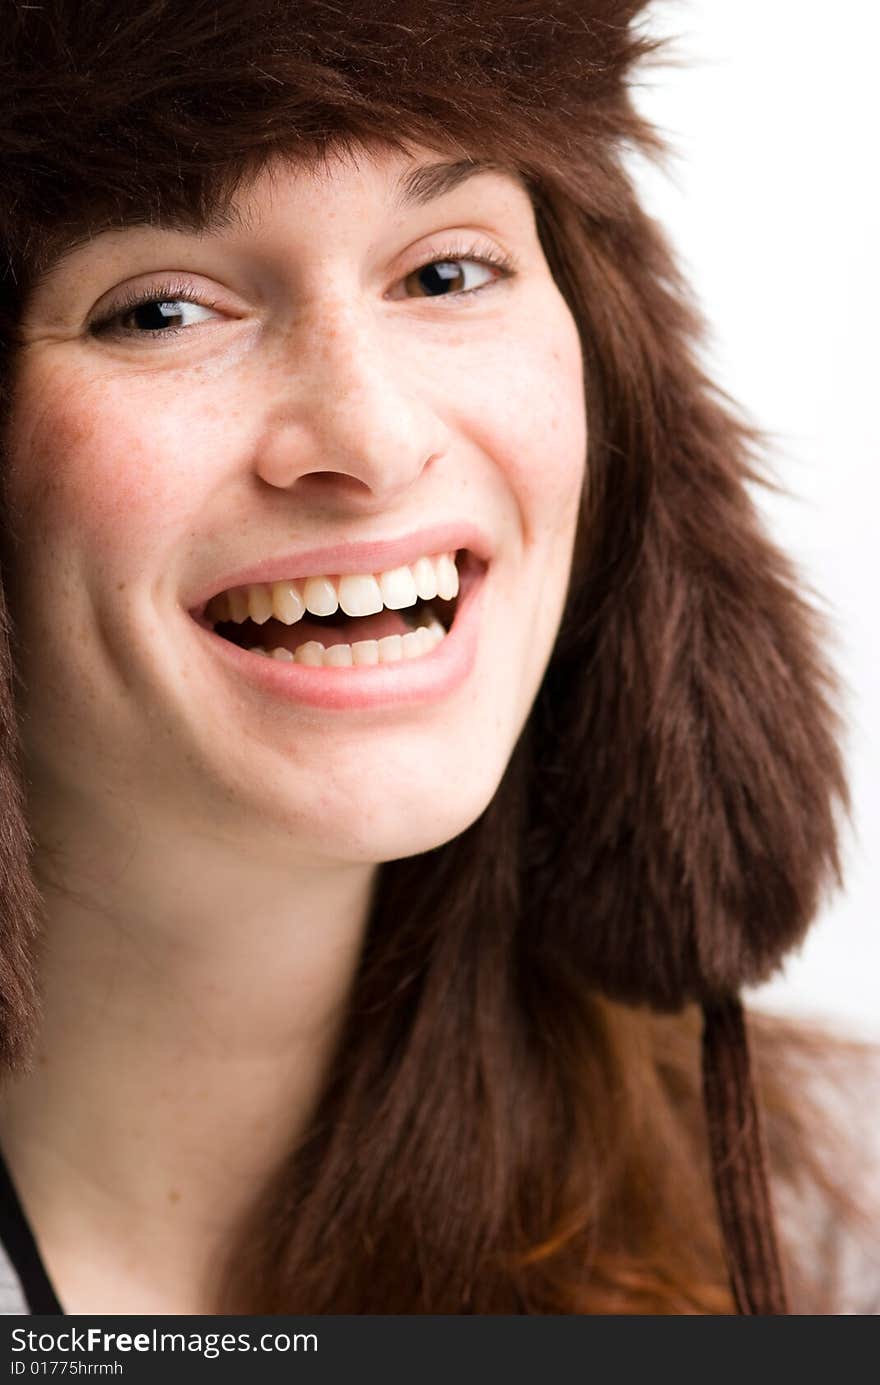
(688, 737)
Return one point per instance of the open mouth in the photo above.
(339, 621)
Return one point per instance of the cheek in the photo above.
(550, 474)
(93, 475)
(526, 408)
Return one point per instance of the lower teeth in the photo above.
(390, 650)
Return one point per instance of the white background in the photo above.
(771, 200)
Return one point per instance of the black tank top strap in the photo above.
(21, 1249)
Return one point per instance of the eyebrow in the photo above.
(415, 187)
(419, 186)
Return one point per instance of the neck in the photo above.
(190, 1014)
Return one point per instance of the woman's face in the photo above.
(323, 390)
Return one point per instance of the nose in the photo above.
(351, 417)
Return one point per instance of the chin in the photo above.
(371, 829)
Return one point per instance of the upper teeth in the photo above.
(358, 595)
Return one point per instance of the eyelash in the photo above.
(179, 291)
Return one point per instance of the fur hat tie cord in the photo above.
(739, 1162)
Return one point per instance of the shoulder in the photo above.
(822, 1121)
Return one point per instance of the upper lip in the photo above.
(369, 556)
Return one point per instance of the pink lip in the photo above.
(381, 555)
(361, 687)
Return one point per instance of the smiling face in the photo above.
(357, 381)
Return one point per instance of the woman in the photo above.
(372, 964)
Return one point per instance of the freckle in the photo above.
(174, 1196)
(120, 586)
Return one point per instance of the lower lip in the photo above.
(428, 678)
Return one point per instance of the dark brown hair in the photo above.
(506, 1125)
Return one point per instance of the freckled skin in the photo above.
(316, 401)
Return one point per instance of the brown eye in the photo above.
(441, 278)
(154, 317)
